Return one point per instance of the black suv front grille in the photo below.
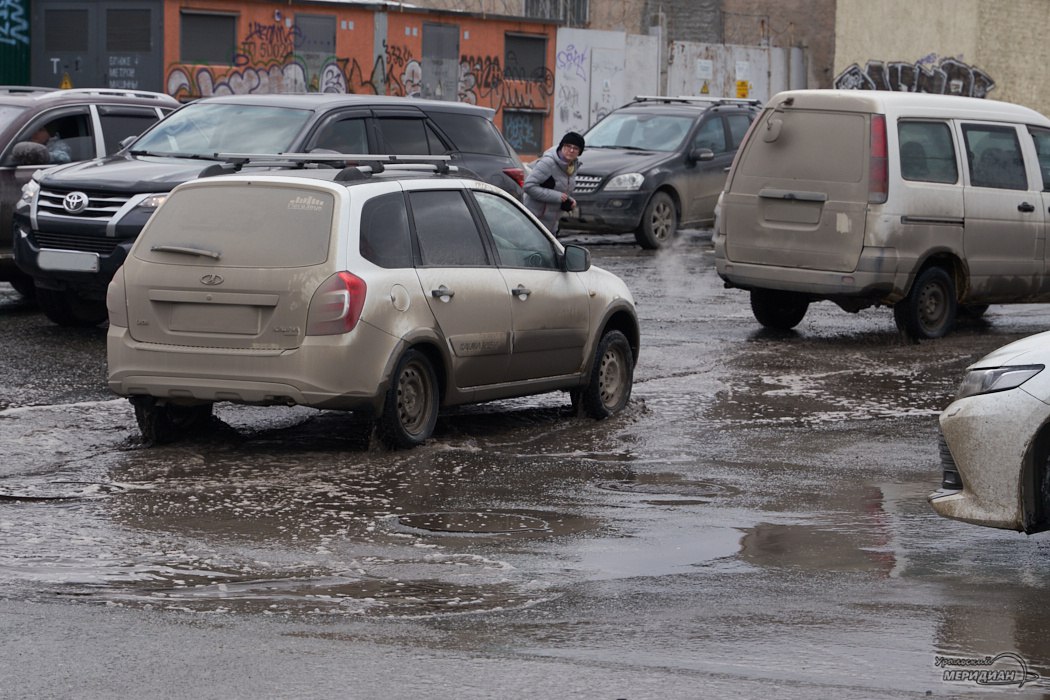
(73, 241)
(100, 206)
(585, 184)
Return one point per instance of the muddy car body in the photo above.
(931, 204)
(995, 441)
(387, 293)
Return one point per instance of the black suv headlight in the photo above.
(626, 182)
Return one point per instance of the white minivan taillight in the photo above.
(878, 173)
(336, 305)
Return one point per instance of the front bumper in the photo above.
(989, 438)
(617, 212)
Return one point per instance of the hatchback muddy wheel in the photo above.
(930, 307)
(612, 376)
(67, 308)
(411, 407)
(778, 310)
(659, 223)
(167, 422)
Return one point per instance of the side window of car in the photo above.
(712, 134)
(1041, 137)
(994, 156)
(343, 136)
(385, 238)
(119, 122)
(67, 137)
(927, 152)
(738, 125)
(406, 136)
(518, 241)
(445, 230)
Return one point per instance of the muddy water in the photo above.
(755, 519)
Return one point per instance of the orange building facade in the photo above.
(500, 62)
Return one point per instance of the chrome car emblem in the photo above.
(75, 202)
(212, 280)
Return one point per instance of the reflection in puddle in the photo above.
(668, 484)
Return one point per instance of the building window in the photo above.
(128, 31)
(574, 13)
(524, 57)
(523, 131)
(65, 30)
(207, 38)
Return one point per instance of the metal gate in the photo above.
(110, 43)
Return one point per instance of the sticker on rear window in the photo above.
(306, 203)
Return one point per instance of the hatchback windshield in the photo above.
(649, 132)
(204, 129)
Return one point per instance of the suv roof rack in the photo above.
(24, 90)
(686, 99)
(110, 92)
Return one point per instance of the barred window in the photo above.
(574, 13)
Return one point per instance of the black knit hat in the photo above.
(573, 139)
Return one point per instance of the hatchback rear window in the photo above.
(809, 145)
(266, 226)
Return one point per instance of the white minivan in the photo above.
(934, 205)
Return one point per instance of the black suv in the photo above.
(75, 223)
(40, 127)
(657, 164)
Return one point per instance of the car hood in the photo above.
(1035, 349)
(125, 174)
(607, 161)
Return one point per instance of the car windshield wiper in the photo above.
(186, 250)
(195, 156)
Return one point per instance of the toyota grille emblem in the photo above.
(212, 280)
(75, 202)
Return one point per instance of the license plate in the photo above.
(68, 260)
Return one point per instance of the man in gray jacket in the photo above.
(549, 186)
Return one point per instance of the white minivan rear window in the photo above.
(809, 145)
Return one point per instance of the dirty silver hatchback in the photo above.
(390, 290)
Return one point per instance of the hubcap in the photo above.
(612, 378)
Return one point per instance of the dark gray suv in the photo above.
(76, 223)
(41, 127)
(657, 164)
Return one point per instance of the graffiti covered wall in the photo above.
(944, 76)
(376, 53)
(14, 42)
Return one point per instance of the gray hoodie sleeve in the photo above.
(543, 169)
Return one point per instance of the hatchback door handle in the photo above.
(1025, 207)
(443, 293)
(520, 291)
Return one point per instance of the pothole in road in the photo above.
(685, 491)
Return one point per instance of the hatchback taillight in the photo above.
(878, 174)
(516, 174)
(336, 305)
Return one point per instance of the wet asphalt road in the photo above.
(754, 525)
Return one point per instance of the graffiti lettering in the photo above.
(266, 42)
(14, 27)
(946, 76)
(573, 59)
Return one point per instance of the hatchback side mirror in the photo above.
(577, 259)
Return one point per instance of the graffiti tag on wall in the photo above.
(946, 76)
(14, 27)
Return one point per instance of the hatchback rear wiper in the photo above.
(186, 250)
